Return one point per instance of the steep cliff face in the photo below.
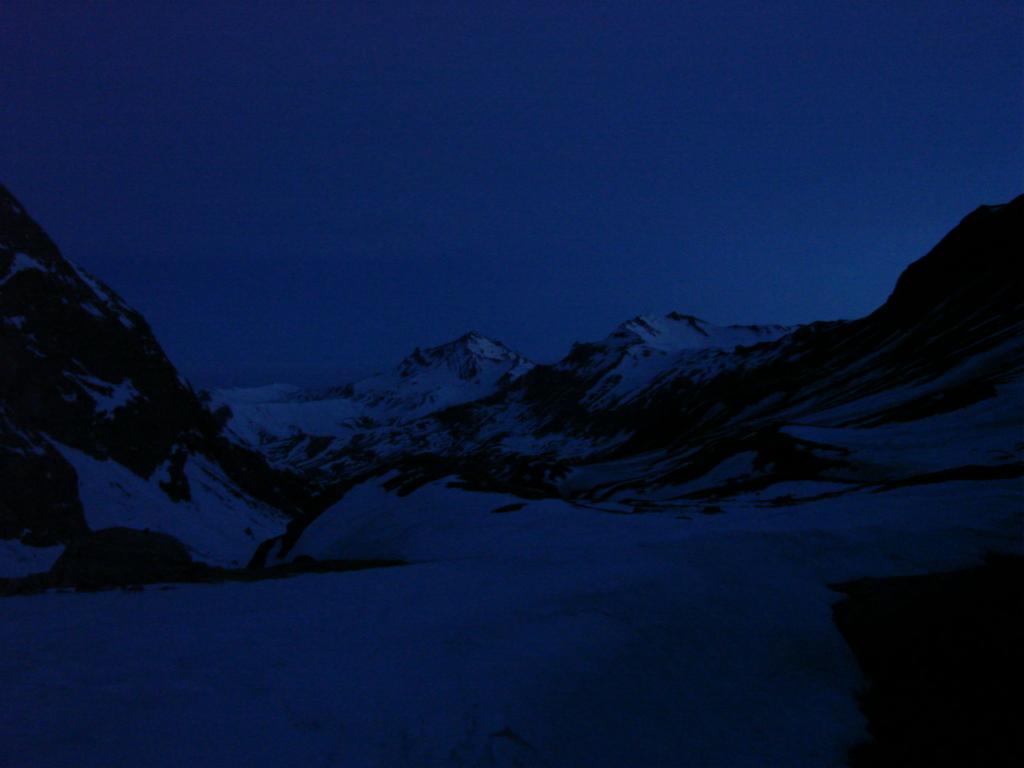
(79, 364)
(86, 389)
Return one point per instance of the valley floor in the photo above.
(547, 636)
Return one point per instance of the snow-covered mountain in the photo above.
(472, 359)
(622, 558)
(641, 351)
(402, 411)
(676, 332)
(664, 410)
(96, 426)
(661, 402)
(295, 427)
(669, 413)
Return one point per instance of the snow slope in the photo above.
(549, 636)
(17, 559)
(219, 524)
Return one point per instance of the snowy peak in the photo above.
(676, 332)
(432, 379)
(468, 357)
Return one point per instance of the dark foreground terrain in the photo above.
(124, 558)
(944, 659)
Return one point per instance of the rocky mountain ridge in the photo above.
(630, 427)
(665, 413)
(87, 392)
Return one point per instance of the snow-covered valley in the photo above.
(549, 636)
(625, 558)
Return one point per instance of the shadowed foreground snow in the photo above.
(548, 636)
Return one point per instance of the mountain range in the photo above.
(663, 413)
(634, 507)
(670, 413)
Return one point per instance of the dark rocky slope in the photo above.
(943, 658)
(82, 369)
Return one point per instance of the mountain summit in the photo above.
(298, 427)
(471, 357)
(676, 332)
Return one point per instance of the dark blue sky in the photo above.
(293, 191)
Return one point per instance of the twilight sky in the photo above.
(303, 191)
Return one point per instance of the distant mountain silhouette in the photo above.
(659, 409)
